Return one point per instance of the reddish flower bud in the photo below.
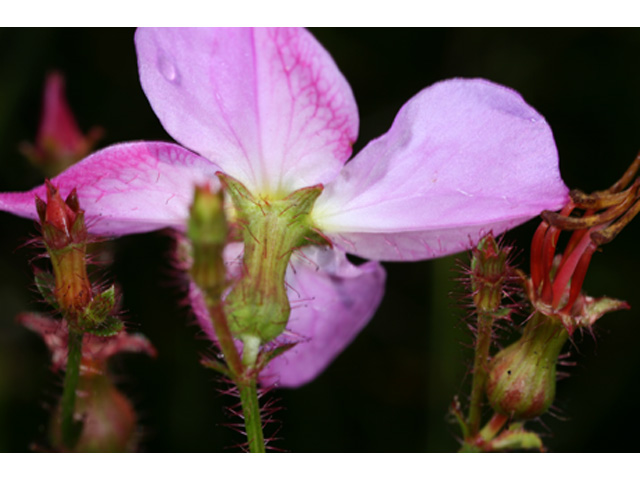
(489, 271)
(65, 237)
(59, 143)
(522, 377)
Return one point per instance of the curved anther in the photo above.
(600, 200)
(578, 223)
(626, 177)
(607, 234)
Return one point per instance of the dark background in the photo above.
(390, 390)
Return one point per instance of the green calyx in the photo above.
(258, 306)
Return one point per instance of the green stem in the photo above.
(70, 428)
(225, 339)
(493, 426)
(483, 343)
(252, 419)
(243, 376)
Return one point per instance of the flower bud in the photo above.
(522, 377)
(109, 422)
(65, 237)
(207, 230)
(59, 143)
(489, 271)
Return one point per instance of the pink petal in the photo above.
(127, 188)
(463, 157)
(267, 105)
(332, 301)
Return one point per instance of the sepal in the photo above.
(516, 438)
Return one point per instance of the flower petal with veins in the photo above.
(464, 156)
(270, 108)
(267, 105)
(331, 299)
(127, 188)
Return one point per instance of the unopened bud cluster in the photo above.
(104, 419)
(65, 237)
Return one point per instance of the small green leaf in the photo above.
(217, 366)
(266, 356)
(109, 327)
(99, 309)
(517, 439)
(46, 284)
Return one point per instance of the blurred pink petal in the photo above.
(463, 157)
(127, 188)
(95, 350)
(267, 105)
(57, 124)
(331, 299)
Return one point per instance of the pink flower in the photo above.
(270, 108)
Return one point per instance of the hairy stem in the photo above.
(70, 428)
(480, 364)
(252, 419)
(243, 376)
(225, 340)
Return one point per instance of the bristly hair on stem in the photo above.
(269, 406)
(489, 279)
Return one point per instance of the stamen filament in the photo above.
(566, 270)
(548, 253)
(578, 276)
(537, 270)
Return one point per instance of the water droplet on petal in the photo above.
(168, 69)
(533, 119)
